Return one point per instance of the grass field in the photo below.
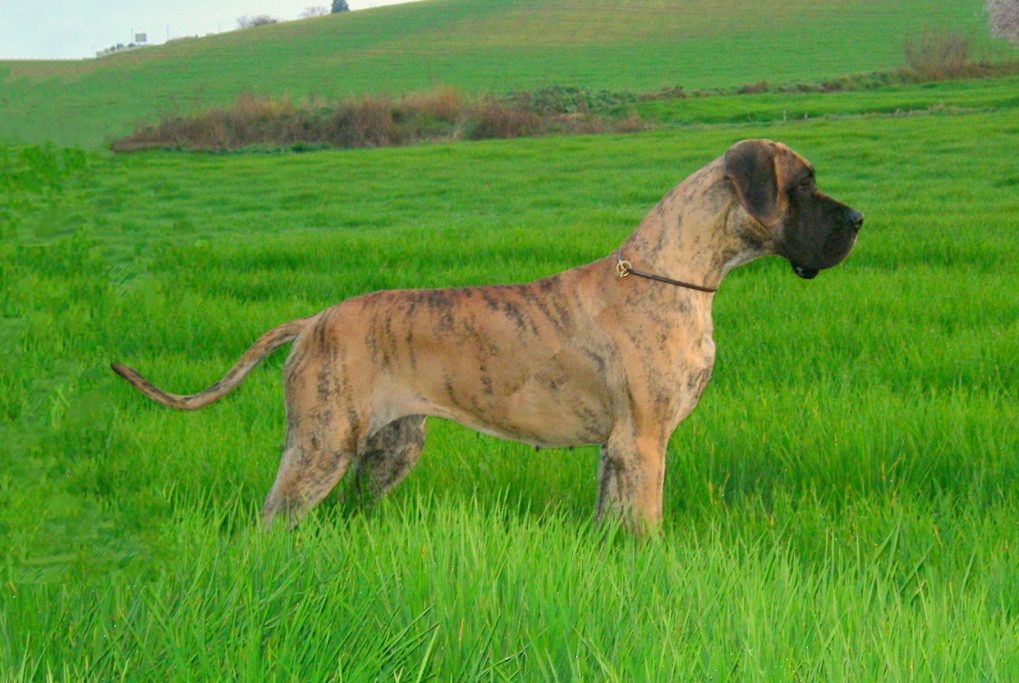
(842, 505)
(479, 46)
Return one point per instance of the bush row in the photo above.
(369, 121)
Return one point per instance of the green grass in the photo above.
(843, 504)
(479, 46)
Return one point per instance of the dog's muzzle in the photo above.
(837, 247)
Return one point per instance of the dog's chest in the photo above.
(690, 371)
(694, 367)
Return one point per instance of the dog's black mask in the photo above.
(776, 186)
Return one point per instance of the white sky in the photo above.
(71, 29)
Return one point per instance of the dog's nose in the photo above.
(856, 218)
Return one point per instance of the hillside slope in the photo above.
(477, 45)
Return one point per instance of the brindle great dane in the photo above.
(594, 355)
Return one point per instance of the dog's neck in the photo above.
(696, 233)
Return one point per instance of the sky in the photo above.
(75, 29)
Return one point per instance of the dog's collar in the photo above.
(624, 268)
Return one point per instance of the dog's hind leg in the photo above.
(314, 460)
(324, 430)
(388, 456)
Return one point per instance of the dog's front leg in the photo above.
(631, 475)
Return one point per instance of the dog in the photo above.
(614, 352)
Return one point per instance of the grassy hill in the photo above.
(477, 46)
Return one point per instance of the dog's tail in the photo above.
(266, 344)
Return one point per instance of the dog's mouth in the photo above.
(804, 272)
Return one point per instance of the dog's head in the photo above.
(788, 214)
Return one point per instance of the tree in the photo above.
(340, 6)
(316, 11)
(252, 22)
(1004, 17)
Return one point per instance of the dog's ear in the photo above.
(751, 167)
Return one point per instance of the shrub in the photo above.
(938, 56)
(562, 99)
(442, 104)
(368, 122)
(491, 120)
(1004, 18)
(753, 88)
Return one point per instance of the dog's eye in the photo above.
(806, 185)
